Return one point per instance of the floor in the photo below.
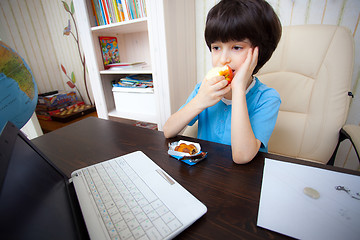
(48, 126)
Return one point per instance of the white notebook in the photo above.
(326, 212)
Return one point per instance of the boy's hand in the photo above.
(212, 91)
(244, 72)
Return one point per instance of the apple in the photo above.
(225, 71)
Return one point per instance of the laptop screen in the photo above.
(34, 198)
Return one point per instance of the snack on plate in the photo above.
(187, 152)
(186, 148)
(225, 71)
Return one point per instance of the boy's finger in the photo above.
(222, 84)
(249, 57)
(224, 90)
(215, 80)
(255, 56)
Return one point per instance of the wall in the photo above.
(296, 12)
(34, 28)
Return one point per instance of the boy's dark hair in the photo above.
(240, 19)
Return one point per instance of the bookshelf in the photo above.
(164, 39)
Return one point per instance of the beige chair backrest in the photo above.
(312, 71)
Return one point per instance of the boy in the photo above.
(243, 35)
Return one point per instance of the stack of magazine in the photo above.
(135, 82)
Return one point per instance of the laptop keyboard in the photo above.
(128, 207)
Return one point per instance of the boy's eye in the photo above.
(237, 48)
(215, 48)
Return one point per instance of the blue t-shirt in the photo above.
(263, 105)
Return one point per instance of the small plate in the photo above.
(173, 145)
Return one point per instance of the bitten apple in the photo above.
(225, 71)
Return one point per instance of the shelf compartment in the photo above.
(130, 70)
(133, 47)
(134, 103)
(130, 26)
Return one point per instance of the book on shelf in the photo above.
(113, 11)
(95, 13)
(102, 13)
(116, 11)
(105, 11)
(109, 50)
(138, 81)
(121, 10)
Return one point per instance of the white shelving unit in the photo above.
(165, 40)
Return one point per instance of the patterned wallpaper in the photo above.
(34, 28)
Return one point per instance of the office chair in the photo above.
(312, 71)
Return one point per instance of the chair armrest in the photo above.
(351, 132)
(191, 131)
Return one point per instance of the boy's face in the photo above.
(232, 53)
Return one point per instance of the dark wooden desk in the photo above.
(231, 192)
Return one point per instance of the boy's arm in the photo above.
(244, 144)
(210, 92)
(243, 141)
(181, 118)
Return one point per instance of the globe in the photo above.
(18, 90)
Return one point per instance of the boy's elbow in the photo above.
(167, 135)
(167, 132)
(245, 155)
(242, 158)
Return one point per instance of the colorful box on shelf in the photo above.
(48, 114)
(56, 100)
(73, 112)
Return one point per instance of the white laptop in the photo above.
(129, 197)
